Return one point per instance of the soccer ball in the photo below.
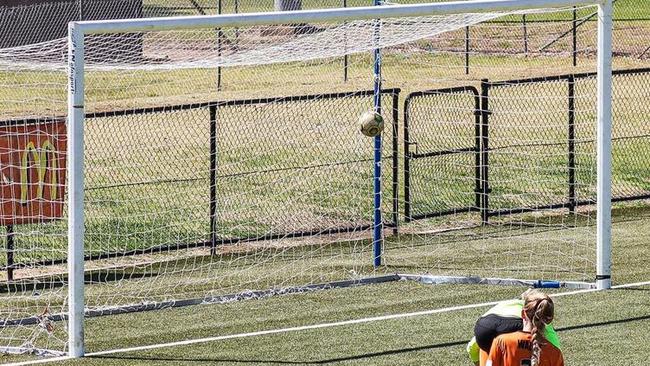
(372, 124)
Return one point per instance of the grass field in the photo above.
(436, 338)
(619, 321)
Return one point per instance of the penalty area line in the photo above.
(313, 326)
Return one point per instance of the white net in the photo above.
(223, 164)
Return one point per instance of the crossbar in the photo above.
(318, 16)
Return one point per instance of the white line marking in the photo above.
(318, 326)
(311, 327)
(630, 285)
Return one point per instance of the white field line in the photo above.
(311, 327)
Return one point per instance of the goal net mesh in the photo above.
(225, 164)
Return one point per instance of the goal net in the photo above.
(223, 163)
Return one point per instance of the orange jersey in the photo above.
(515, 349)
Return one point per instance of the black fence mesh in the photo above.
(441, 134)
(537, 145)
(631, 135)
(299, 168)
(202, 175)
(209, 174)
(529, 137)
(147, 179)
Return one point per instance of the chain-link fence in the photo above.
(466, 149)
(18, 25)
(225, 198)
(521, 145)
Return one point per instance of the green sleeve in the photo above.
(551, 336)
(473, 350)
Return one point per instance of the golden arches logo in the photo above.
(44, 158)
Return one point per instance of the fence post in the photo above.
(236, 46)
(574, 33)
(10, 253)
(525, 25)
(485, 146)
(219, 45)
(345, 57)
(467, 50)
(572, 147)
(407, 160)
(213, 180)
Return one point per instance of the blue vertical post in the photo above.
(377, 236)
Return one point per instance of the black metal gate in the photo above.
(521, 145)
(442, 152)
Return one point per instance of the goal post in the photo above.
(604, 150)
(78, 31)
(76, 255)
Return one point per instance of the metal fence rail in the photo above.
(217, 182)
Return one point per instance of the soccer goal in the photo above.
(211, 159)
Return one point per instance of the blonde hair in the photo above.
(539, 310)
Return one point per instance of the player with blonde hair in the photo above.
(505, 317)
(528, 347)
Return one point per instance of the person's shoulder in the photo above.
(549, 347)
(513, 337)
(552, 354)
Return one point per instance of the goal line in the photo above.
(261, 294)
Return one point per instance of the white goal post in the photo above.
(75, 132)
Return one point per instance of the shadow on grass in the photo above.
(604, 324)
(281, 362)
(350, 358)
(642, 289)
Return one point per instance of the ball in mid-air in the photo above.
(372, 124)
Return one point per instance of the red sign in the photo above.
(32, 171)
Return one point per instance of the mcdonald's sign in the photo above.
(32, 171)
